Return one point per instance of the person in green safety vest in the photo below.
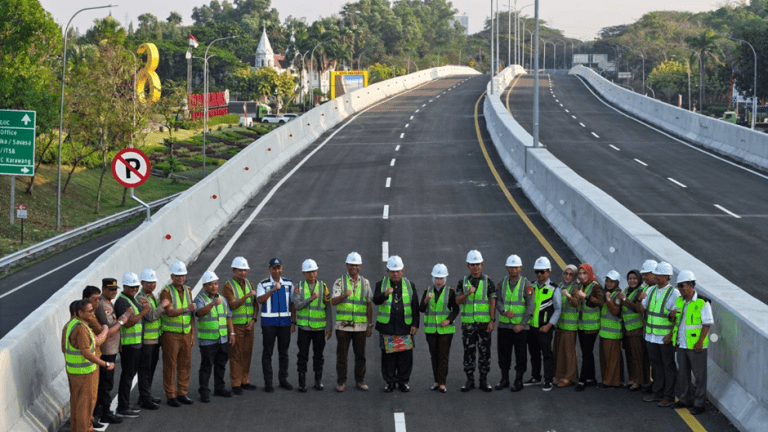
(591, 294)
(649, 281)
(564, 346)
(611, 333)
(476, 295)
(693, 320)
(131, 335)
(397, 322)
(632, 315)
(440, 310)
(546, 313)
(241, 296)
(150, 344)
(215, 333)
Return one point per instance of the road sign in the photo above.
(625, 75)
(21, 211)
(17, 142)
(130, 167)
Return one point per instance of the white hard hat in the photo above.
(542, 263)
(613, 275)
(648, 266)
(440, 271)
(130, 279)
(354, 258)
(474, 257)
(395, 263)
(663, 269)
(686, 276)
(178, 268)
(240, 263)
(148, 275)
(514, 261)
(209, 276)
(308, 265)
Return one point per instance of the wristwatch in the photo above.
(106, 364)
(122, 323)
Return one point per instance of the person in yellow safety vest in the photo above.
(632, 315)
(150, 348)
(352, 297)
(649, 280)
(130, 342)
(476, 295)
(515, 305)
(591, 294)
(546, 313)
(78, 343)
(611, 333)
(216, 334)
(661, 299)
(241, 297)
(440, 310)
(312, 314)
(693, 319)
(178, 337)
(397, 321)
(564, 346)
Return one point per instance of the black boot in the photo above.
(319, 380)
(504, 383)
(470, 384)
(484, 386)
(302, 382)
(518, 385)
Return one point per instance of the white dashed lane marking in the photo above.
(389, 182)
(676, 182)
(727, 211)
(641, 162)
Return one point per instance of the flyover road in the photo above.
(418, 154)
(710, 206)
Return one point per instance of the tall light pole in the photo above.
(701, 81)
(530, 56)
(61, 109)
(754, 83)
(311, 68)
(536, 77)
(497, 33)
(205, 94)
(565, 48)
(493, 59)
(519, 51)
(509, 33)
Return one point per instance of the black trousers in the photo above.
(439, 349)
(396, 367)
(317, 339)
(150, 354)
(283, 336)
(106, 384)
(663, 369)
(587, 345)
(214, 357)
(129, 367)
(506, 340)
(540, 346)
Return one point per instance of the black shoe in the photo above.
(237, 390)
(149, 405)
(443, 390)
(269, 388)
(135, 408)
(504, 383)
(97, 425)
(248, 386)
(174, 402)
(222, 393)
(319, 380)
(302, 382)
(517, 385)
(185, 400)
(284, 384)
(580, 387)
(697, 410)
(404, 388)
(484, 386)
(532, 382)
(205, 398)
(590, 383)
(110, 418)
(127, 412)
(469, 385)
(547, 386)
(389, 388)
(155, 400)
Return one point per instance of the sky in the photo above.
(581, 19)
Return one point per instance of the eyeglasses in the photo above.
(540, 271)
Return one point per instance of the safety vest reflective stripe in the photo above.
(313, 314)
(590, 316)
(152, 328)
(632, 320)
(214, 325)
(244, 313)
(610, 326)
(693, 324)
(76, 362)
(658, 314)
(131, 335)
(477, 307)
(385, 308)
(182, 323)
(513, 300)
(355, 307)
(569, 317)
(437, 312)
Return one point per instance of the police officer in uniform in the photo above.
(214, 329)
(241, 297)
(178, 337)
(546, 313)
(105, 313)
(515, 304)
(275, 296)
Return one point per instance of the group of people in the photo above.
(650, 319)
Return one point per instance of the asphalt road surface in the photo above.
(419, 155)
(711, 207)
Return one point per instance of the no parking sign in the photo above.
(131, 167)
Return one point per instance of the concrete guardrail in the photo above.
(35, 394)
(604, 233)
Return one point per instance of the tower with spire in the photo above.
(265, 57)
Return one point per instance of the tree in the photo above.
(670, 77)
(285, 87)
(706, 44)
(265, 80)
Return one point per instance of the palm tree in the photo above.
(706, 44)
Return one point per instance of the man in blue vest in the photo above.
(130, 342)
(275, 297)
(397, 321)
(215, 333)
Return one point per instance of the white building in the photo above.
(461, 19)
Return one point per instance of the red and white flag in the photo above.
(192, 41)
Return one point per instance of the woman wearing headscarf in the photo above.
(611, 333)
(566, 361)
(591, 294)
(439, 307)
(632, 314)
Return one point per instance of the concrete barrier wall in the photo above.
(606, 234)
(726, 138)
(34, 395)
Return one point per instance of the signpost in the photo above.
(131, 168)
(17, 146)
(21, 213)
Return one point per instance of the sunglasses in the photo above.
(540, 271)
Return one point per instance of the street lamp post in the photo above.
(565, 48)
(519, 51)
(536, 78)
(205, 95)
(688, 69)
(530, 55)
(493, 59)
(701, 82)
(311, 71)
(61, 110)
(754, 83)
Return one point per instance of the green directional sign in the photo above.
(17, 142)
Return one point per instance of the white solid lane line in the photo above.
(386, 212)
(397, 148)
(385, 251)
(596, 136)
(614, 147)
(641, 162)
(727, 211)
(399, 422)
(392, 163)
(676, 182)
(389, 182)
